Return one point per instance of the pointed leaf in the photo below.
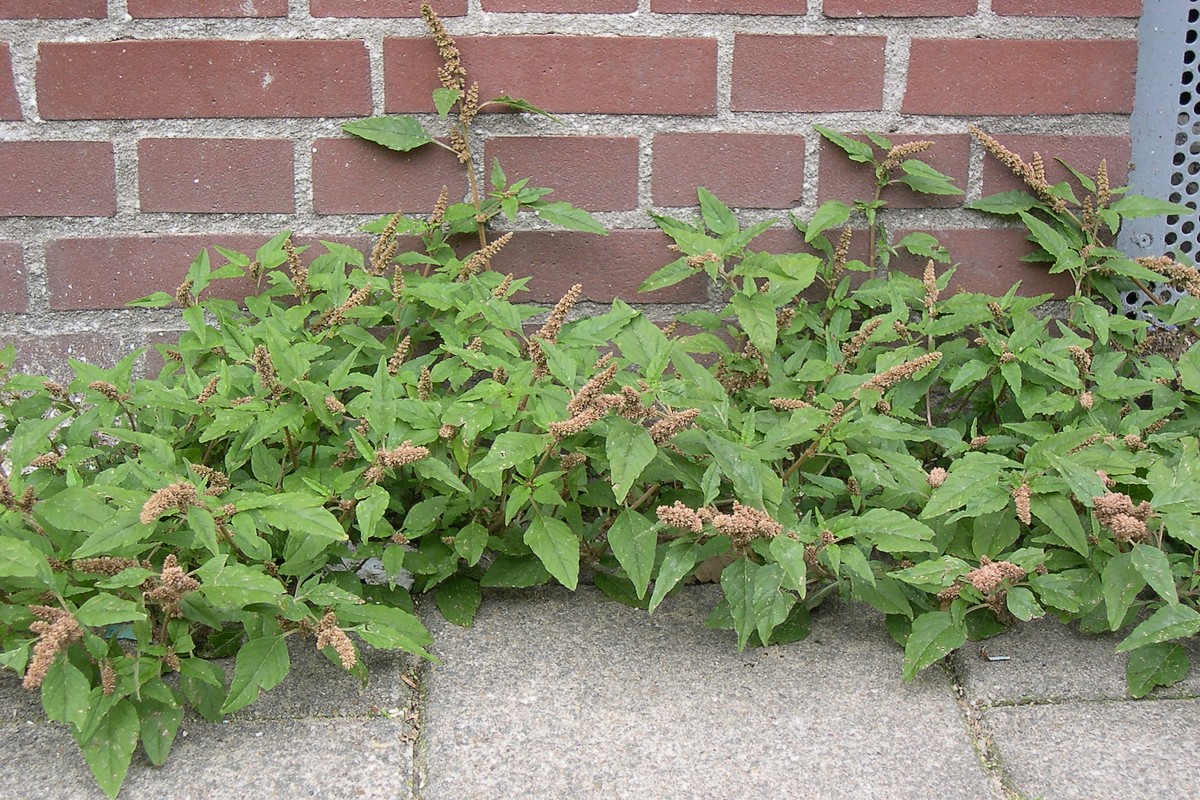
(557, 546)
(934, 635)
(1153, 565)
(633, 541)
(1161, 664)
(111, 747)
(717, 216)
(630, 450)
(458, 598)
(678, 561)
(1169, 622)
(395, 133)
(1120, 584)
(757, 315)
(261, 665)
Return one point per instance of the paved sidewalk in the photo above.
(554, 695)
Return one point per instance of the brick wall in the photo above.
(134, 132)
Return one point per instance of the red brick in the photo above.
(47, 354)
(846, 180)
(97, 273)
(170, 9)
(989, 259)
(203, 78)
(598, 173)
(53, 9)
(899, 8)
(13, 299)
(796, 7)
(745, 170)
(563, 6)
(1068, 8)
(10, 104)
(1016, 76)
(608, 266)
(584, 74)
(989, 262)
(216, 175)
(57, 179)
(383, 8)
(1081, 152)
(353, 176)
(807, 73)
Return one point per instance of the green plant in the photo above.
(958, 462)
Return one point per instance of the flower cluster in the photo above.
(1117, 512)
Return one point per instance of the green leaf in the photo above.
(18, 559)
(159, 724)
(107, 609)
(1004, 203)
(1152, 564)
(1050, 239)
(756, 315)
(510, 449)
(66, 694)
(395, 133)
(444, 100)
(515, 572)
(1135, 206)
(1189, 369)
(675, 272)
(633, 540)
(831, 214)
(1169, 622)
(111, 747)
(894, 531)
(630, 450)
(971, 482)
(203, 684)
(260, 666)
(717, 216)
(756, 602)
(522, 105)
(934, 635)
(856, 150)
(789, 554)
(1120, 584)
(470, 542)
(370, 510)
(557, 546)
(1060, 516)
(1022, 604)
(570, 217)
(1161, 664)
(153, 300)
(458, 598)
(201, 521)
(920, 177)
(678, 561)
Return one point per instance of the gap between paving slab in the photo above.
(319, 734)
(560, 695)
(1056, 722)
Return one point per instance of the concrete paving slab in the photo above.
(1049, 661)
(554, 695)
(1132, 750)
(314, 687)
(346, 759)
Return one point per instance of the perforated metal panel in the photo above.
(1166, 137)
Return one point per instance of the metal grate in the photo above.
(1185, 172)
(1166, 138)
